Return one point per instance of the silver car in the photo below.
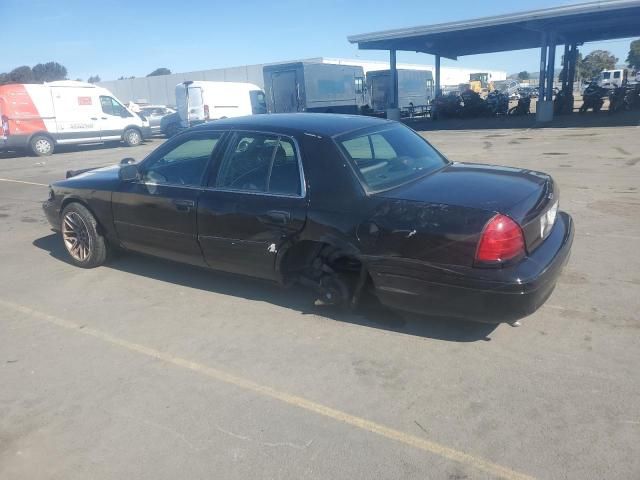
(154, 113)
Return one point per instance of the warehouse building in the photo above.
(161, 89)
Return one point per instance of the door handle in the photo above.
(184, 205)
(94, 118)
(103, 118)
(277, 217)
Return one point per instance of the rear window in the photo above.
(388, 157)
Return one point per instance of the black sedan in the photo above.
(343, 204)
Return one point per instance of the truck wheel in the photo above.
(41, 145)
(132, 137)
(85, 246)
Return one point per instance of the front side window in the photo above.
(182, 164)
(258, 101)
(257, 162)
(111, 106)
(387, 157)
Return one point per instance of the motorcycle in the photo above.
(473, 105)
(563, 102)
(523, 107)
(446, 106)
(498, 103)
(592, 98)
(618, 100)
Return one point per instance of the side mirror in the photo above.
(128, 172)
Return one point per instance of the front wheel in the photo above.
(86, 247)
(132, 137)
(41, 145)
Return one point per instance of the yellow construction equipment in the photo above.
(479, 83)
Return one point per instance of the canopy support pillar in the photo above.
(393, 112)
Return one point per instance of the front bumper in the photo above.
(484, 295)
(52, 212)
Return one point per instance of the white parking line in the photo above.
(22, 181)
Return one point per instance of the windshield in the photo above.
(386, 157)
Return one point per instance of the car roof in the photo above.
(324, 124)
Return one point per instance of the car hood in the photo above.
(512, 191)
(91, 177)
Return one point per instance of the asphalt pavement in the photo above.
(148, 369)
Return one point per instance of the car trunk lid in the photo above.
(524, 195)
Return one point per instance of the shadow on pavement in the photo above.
(575, 120)
(370, 314)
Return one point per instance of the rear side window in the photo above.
(256, 162)
(384, 158)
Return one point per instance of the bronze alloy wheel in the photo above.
(76, 236)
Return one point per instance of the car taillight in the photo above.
(501, 240)
(5, 126)
(206, 112)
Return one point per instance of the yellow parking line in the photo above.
(300, 402)
(22, 181)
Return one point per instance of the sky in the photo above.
(133, 37)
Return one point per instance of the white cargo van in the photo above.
(39, 117)
(200, 102)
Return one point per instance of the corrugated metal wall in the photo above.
(161, 89)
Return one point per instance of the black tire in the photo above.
(172, 130)
(132, 137)
(41, 145)
(90, 248)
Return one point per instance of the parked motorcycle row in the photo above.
(470, 104)
(621, 98)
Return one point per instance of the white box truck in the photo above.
(37, 117)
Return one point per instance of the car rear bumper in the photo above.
(484, 295)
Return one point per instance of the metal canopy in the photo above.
(571, 24)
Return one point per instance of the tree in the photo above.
(577, 70)
(4, 78)
(20, 75)
(93, 79)
(49, 72)
(160, 71)
(126, 78)
(594, 63)
(633, 59)
(524, 75)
